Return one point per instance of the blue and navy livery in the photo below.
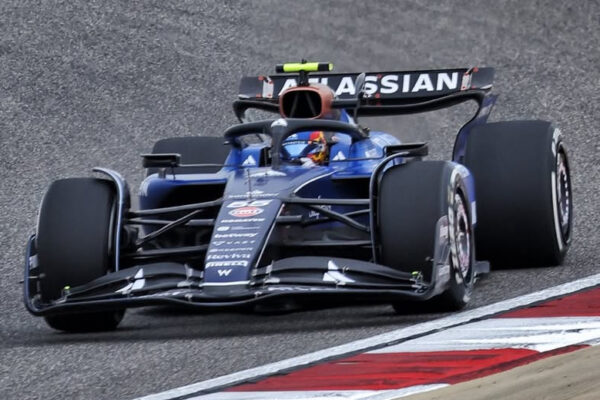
(262, 231)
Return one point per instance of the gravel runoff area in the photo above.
(572, 376)
(95, 83)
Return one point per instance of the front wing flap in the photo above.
(303, 279)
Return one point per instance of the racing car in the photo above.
(307, 207)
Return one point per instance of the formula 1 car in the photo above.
(307, 208)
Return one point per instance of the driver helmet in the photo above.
(306, 145)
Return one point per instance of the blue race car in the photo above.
(307, 207)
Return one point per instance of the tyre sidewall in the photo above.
(460, 287)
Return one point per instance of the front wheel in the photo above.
(74, 239)
(424, 219)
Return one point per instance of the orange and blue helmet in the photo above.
(312, 145)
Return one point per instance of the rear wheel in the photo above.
(523, 189)
(193, 150)
(74, 241)
(424, 217)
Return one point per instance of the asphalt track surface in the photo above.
(96, 83)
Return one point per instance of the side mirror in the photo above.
(163, 160)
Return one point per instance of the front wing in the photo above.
(292, 281)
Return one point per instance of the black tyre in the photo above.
(416, 201)
(74, 246)
(523, 193)
(193, 150)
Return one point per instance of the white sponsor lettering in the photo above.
(229, 250)
(249, 195)
(405, 83)
(232, 242)
(450, 82)
(236, 242)
(240, 221)
(423, 83)
(346, 86)
(395, 83)
(224, 272)
(234, 235)
(245, 228)
(249, 203)
(389, 84)
(226, 264)
(290, 83)
(223, 228)
(370, 87)
(318, 80)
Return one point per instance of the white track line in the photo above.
(325, 394)
(389, 338)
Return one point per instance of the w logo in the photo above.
(224, 272)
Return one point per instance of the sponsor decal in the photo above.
(268, 172)
(267, 87)
(249, 161)
(466, 81)
(229, 250)
(245, 212)
(245, 228)
(233, 263)
(233, 242)
(234, 256)
(238, 221)
(339, 156)
(254, 193)
(222, 229)
(372, 153)
(279, 122)
(224, 272)
(250, 203)
(383, 140)
(234, 235)
(390, 83)
(316, 214)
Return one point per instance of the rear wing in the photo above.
(386, 88)
(384, 93)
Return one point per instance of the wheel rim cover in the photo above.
(563, 194)
(463, 236)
